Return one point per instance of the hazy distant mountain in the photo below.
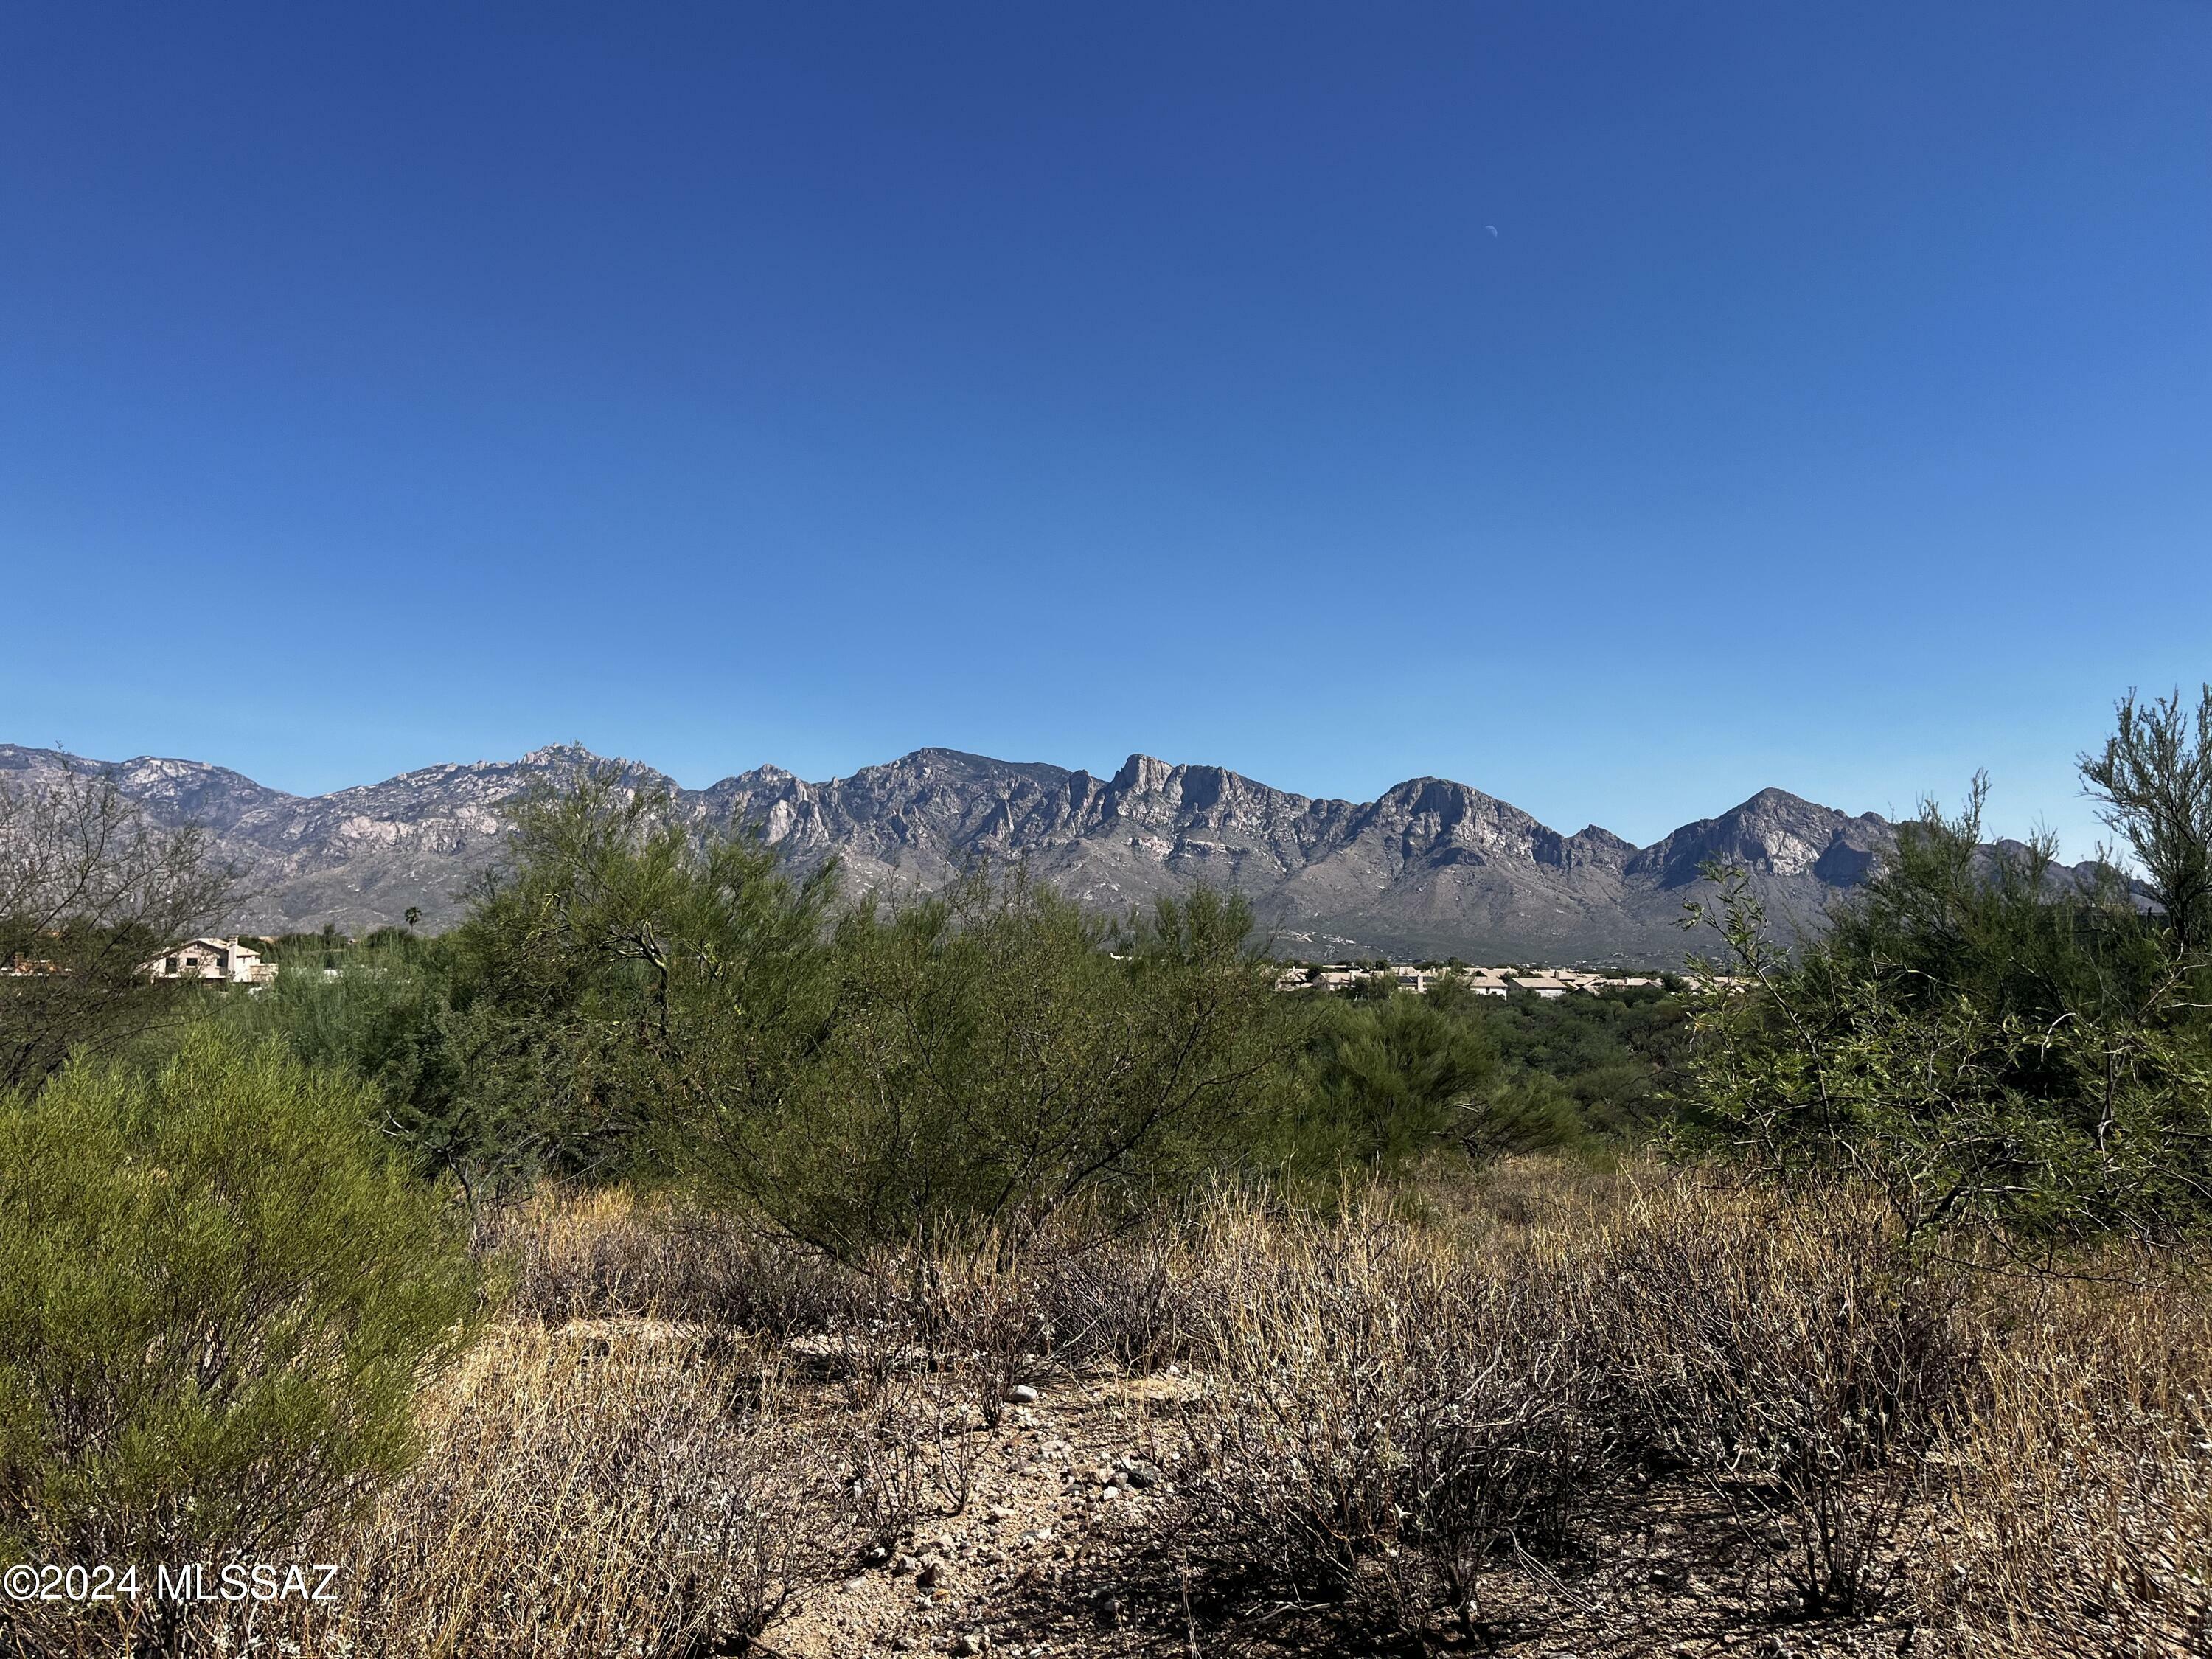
(1431, 868)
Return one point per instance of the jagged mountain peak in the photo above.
(1444, 798)
(1431, 866)
(1774, 833)
(759, 774)
(555, 754)
(1770, 799)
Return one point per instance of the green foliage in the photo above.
(629, 974)
(997, 1056)
(1391, 1076)
(388, 1017)
(376, 1018)
(1948, 918)
(636, 995)
(1522, 1111)
(218, 1296)
(2153, 779)
(1613, 1057)
(647, 996)
(1987, 1043)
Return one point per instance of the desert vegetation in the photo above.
(680, 1257)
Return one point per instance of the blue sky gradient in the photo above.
(1831, 408)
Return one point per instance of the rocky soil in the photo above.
(1071, 1546)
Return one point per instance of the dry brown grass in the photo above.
(600, 1488)
(606, 1252)
(1401, 1414)
(2077, 1501)
(1381, 1417)
(1797, 1358)
(1432, 1417)
(616, 1487)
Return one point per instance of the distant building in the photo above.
(1732, 984)
(212, 961)
(1480, 980)
(1542, 985)
(1547, 982)
(1577, 980)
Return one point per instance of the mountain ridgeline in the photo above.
(1431, 868)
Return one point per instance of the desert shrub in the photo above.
(651, 995)
(983, 1312)
(1389, 1078)
(1124, 1302)
(218, 1296)
(906, 1445)
(998, 1057)
(1615, 1056)
(1798, 1355)
(1992, 1042)
(1380, 1417)
(385, 1013)
(630, 979)
(986, 1311)
(2153, 780)
(376, 1018)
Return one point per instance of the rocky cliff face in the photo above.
(1431, 868)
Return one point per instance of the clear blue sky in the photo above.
(1831, 407)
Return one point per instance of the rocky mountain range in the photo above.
(1431, 868)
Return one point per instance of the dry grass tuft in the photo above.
(1381, 1417)
(2077, 1511)
(600, 1253)
(607, 1488)
(1799, 1357)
